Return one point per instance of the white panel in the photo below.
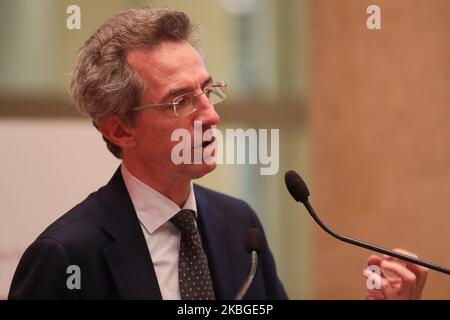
(47, 167)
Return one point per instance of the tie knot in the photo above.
(185, 222)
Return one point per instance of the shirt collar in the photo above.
(152, 208)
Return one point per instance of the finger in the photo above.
(375, 295)
(369, 272)
(389, 292)
(386, 290)
(421, 274)
(374, 260)
(402, 251)
(420, 271)
(408, 287)
(394, 282)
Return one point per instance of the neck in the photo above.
(173, 187)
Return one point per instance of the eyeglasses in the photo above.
(184, 105)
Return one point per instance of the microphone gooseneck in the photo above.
(299, 191)
(253, 245)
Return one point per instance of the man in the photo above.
(149, 233)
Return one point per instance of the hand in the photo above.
(405, 281)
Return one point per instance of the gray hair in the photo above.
(103, 84)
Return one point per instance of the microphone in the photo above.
(299, 191)
(253, 245)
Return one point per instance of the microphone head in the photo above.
(253, 242)
(296, 186)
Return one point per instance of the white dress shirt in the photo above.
(163, 239)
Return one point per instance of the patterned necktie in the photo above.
(193, 272)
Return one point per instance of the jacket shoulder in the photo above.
(84, 218)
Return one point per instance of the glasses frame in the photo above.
(174, 104)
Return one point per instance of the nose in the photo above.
(206, 112)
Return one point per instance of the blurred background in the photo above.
(364, 116)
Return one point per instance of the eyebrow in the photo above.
(177, 92)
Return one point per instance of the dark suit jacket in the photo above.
(102, 236)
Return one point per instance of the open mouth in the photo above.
(207, 143)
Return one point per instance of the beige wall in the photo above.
(48, 166)
(381, 119)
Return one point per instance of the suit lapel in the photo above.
(127, 256)
(212, 226)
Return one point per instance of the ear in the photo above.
(118, 131)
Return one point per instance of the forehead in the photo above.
(171, 65)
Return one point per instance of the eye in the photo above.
(182, 101)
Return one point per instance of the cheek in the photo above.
(155, 140)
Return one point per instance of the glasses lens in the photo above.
(184, 105)
(218, 93)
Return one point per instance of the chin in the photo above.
(197, 171)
